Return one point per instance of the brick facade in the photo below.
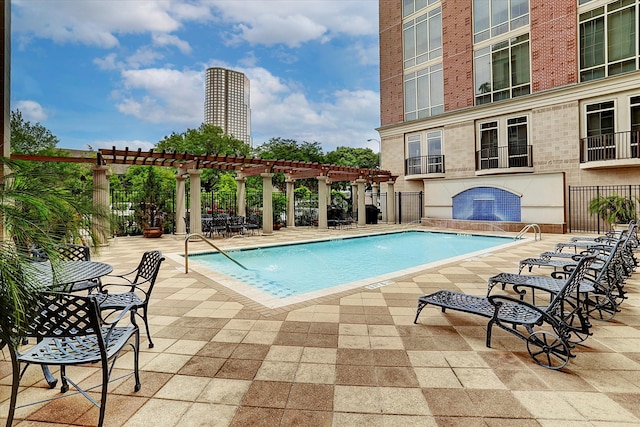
(391, 92)
(457, 60)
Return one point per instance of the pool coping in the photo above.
(270, 302)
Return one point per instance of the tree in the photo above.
(207, 139)
(290, 149)
(30, 139)
(357, 157)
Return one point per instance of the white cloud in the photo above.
(94, 23)
(31, 111)
(293, 22)
(170, 40)
(168, 96)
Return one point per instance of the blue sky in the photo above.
(126, 73)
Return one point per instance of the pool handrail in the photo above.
(207, 241)
(536, 231)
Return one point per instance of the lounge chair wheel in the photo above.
(601, 307)
(548, 350)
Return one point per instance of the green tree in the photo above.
(290, 149)
(207, 139)
(357, 157)
(27, 138)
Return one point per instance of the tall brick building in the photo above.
(494, 108)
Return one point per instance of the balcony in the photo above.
(503, 159)
(418, 167)
(610, 150)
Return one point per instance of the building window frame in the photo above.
(424, 152)
(423, 92)
(409, 7)
(502, 70)
(608, 38)
(491, 19)
(422, 38)
(504, 142)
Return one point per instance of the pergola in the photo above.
(191, 166)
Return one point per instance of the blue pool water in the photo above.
(290, 270)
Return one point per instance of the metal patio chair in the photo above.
(69, 330)
(139, 285)
(545, 329)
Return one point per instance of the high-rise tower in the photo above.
(227, 102)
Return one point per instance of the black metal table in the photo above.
(65, 274)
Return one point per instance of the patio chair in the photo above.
(64, 326)
(252, 224)
(139, 283)
(544, 329)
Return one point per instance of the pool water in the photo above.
(295, 269)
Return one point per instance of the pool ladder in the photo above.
(537, 233)
(210, 243)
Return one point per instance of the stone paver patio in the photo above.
(356, 358)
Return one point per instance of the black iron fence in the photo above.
(424, 165)
(612, 146)
(516, 156)
(580, 220)
(408, 207)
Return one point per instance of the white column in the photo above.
(101, 224)
(354, 198)
(242, 200)
(267, 203)
(322, 202)
(362, 212)
(181, 207)
(374, 193)
(391, 203)
(195, 216)
(291, 203)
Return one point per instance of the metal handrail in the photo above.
(207, 241)
(536, 231)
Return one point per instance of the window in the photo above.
(410, 7)
(492, 18)
(504, 143)
(423, 93)
(635, 126)
(502, 70)
(424, 153)
(489, 145)
(600, 131)
(608, 40)
(517, 142)
(422, 38)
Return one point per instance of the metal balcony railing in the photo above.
(424, 165)
(611, 146)
(504, 157)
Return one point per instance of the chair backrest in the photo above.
(149, 266)
(570, 288)
(71, 252)
(62, 315)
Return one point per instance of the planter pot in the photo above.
(152, 232)
(277, 226)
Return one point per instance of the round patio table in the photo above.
(65, 274)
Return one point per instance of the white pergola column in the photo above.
(241, 197)
(267, 203)
(362, 213)
(322, 203)
(195, 215)
(374, 193)
(181, 208)
(354, 198)
(391, 203)
(291, 203)
(101, 225)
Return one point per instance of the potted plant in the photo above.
(614, 209)
(279, 209)
(149, 210)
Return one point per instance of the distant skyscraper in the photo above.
(227, 102)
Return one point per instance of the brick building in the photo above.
(494, 108)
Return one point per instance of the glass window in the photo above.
(608, 40)
(422, 38)
(424, 153)
(409, 7)
(488, 155)
(414, 153)
(517, 142)
(600, 131)
(492, 18)
(503, 70)
(435, 160)
(424, 93)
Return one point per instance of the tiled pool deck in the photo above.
(350, 359)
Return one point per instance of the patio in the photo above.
(356, 358)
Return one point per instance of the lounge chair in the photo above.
(544, 329)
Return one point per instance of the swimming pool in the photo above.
(285, 274)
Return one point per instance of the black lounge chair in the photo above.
(546, 330)
(139, 283)
(64, 327)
